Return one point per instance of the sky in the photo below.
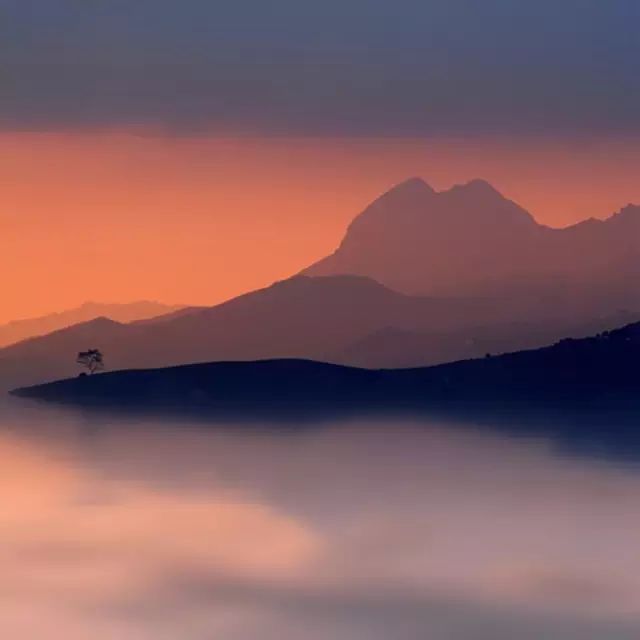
(189, 151)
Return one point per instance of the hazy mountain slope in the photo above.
(342, 319)
(505, 283)
(22, 329)
(414, 239)
(53, 355)
(393, 347)
(470, 240)
(301, 317)
(167, 317)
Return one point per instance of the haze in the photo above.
(340, 532)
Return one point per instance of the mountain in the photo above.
(168, 317)
(22, 329)
(494, 280)
(340, 319)
(299, 318)
(588, 377)
(471, 241)
(393, 347)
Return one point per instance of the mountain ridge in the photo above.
(358, 319)
(471, 240)
(24, 328)
(322, 318)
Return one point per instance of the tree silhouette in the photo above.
(92, 360)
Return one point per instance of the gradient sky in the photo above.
(337, 67)
(189, 151)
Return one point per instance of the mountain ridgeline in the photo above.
(471, 241)
(421, 278)
(342, 319)
(18, 330)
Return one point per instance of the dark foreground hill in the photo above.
(598, 375)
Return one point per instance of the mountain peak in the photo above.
(414, 183)
(477, 188)
(411, 193)
(630, 212)
(487, 205)
(414, 239)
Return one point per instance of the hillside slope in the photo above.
(600, 373)
(18, 330)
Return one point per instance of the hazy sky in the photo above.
(345, 67)
(189, 151)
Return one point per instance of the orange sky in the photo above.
(115, 216)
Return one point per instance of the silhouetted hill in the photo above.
(498, 282)
(337, 319)
(598, 374)
(301, 317)
(471, 241)
(18, 330)
(167, 317)
(398, 348)
(45, 357)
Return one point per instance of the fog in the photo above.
(148, 529)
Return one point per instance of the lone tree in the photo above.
(92, 360)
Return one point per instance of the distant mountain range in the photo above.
(22, 329)
(318, 318)
(586, 378)
(340, 319)
(471, 241)
(421, 278)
